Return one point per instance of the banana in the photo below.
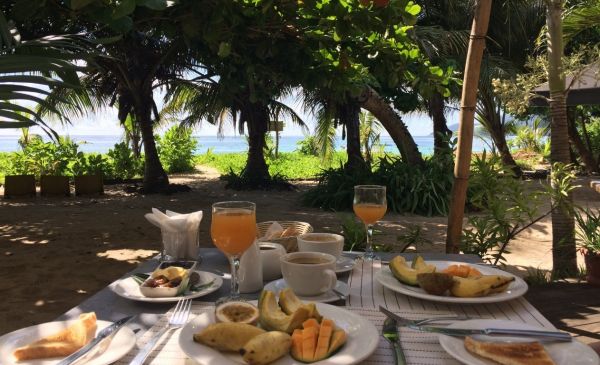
(227, 336)
(480, 286)
(266, 348)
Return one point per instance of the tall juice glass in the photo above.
(233, 230)
(370, 205)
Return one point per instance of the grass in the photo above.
(291, 165)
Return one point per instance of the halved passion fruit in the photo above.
(237, 312)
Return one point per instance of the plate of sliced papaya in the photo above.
(450, 282)
(286, 332)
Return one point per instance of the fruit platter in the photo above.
(450, 282)
(280, 331)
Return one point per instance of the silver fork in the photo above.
(178, 319)
(401, 321)
(392, 335)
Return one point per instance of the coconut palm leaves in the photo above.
(28, 72)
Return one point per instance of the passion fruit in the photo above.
(237, 312)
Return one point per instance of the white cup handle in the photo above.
(332, 279)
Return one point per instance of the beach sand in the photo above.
(56, 252)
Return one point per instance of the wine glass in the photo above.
(233, 230)
(369, 205)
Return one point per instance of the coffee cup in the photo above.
(309, 273)
(330, 243)
(270, 253)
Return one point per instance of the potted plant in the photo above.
(19, 185)
(588, 223)
(89, 171)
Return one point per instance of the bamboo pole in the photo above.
(466, 118)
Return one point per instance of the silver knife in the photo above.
(461, 332)
(103, 337)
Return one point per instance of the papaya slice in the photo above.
(325, 332)
(296, 350)
(338, 339)
(309, 343)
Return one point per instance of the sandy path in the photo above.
(55, 252)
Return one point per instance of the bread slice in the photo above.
(63, 343)
(529, 353)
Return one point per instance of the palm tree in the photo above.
(29, 68)
(564, 254)
(514, 26)
(206, 99)
(127, 75)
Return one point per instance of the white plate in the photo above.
(119, 346)
(516, 289)
(344, 264)
(278, 285)
(563, 353)
(130, 289)
(362, 340)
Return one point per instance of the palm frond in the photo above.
(581, 18)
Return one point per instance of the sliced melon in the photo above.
(296, 350)
(272, 318)
(338, 339)
(289, 303)
(309, 343)
(325, 332)
(405, 274)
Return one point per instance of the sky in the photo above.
(106, 123)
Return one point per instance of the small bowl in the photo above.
(162, 292)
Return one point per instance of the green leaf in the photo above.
(122, 25)
(10, 125)
(79, 4)
(124, 8)
(224, 49)
(413, 9)
(154, 4)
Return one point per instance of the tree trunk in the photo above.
(155, 177)
(498, 135)
(563, 225)
(349, 115)
(468, 104)
(441, 133)
(393, 124)
(591, 165)
(256, 117)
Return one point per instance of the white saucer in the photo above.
(278, 285)
(128, 288)
(344, 264)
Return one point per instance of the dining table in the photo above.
(365, 295)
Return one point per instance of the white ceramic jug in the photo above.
(250, 271)
(270, 252)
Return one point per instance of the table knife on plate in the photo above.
(461, 332)
(102, 340)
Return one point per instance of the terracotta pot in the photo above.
(592, 266)
(89, 184)
(19, 185)
(55, 185)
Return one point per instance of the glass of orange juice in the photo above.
(233, 230)
(370, 205)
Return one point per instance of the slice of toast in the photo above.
(62, 343)
(529, 353)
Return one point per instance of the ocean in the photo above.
(101, 144)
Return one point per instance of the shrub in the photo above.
(308, 146)
(176, 149)
(506, 208)
(421, 190)
(45, 158)
(92, 164)
(124, 164)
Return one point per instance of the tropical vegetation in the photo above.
(236, 63)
